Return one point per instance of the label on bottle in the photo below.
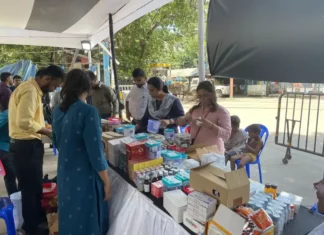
(146, 188)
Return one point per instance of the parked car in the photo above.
(221, 90)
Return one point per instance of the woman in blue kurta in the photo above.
(83, 181)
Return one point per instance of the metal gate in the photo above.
(300, 123)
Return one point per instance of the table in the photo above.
(304, 221)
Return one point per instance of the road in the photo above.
(297, 177)
(304, 169)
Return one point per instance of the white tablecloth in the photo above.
(132, 213)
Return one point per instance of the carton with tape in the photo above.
(229, 188)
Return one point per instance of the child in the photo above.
(252, 148)
(236, 143)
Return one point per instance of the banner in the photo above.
(106, 63)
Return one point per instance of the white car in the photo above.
(221, 90)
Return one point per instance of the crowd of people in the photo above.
(79, 103)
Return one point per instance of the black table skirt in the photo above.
(304, 222)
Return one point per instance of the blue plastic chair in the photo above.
(264, 134)
(6, 213)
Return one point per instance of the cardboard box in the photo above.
(193, 225)
(175, 202)
(229, 188)
(53, 223)
(114, 152)
(201, 148)
(136, 151)
(225, 221)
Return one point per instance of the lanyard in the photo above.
(199, 128)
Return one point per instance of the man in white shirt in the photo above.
(136, 101)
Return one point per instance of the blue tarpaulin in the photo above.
(23, 68)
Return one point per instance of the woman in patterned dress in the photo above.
(83, 181)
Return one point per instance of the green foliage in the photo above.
(167, 35)
(40, 55)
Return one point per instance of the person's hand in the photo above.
(165, 123)
(107, 189)
(128, 115)
(49, 133)
(247, 147)
(206, 123)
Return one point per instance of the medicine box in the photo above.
(114, 152)
(157, 189)
(201, 206)
(136, 150)
(175, 202)
(193, 225)
(123, 142)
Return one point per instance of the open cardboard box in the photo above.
(225, 221)
(194, 151)
(229, 188)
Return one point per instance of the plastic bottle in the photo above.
(165, 173)
(160, 176)
(274, 190)
(140, 183)
(267, 189)
(154, 177)
(292, 211)
(147, 184)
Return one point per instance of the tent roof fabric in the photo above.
(62, 23)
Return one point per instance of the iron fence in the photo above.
(300, 123)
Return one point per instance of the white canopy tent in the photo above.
(63, 23)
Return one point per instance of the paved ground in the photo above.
(297, 177)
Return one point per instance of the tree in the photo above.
(166, 35)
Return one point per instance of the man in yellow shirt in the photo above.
(26, 127)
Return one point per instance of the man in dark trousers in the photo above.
(26, 127)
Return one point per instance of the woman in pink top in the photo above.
(210, 123)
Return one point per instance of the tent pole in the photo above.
(201, 35)
(113, 58)
(231, 87)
